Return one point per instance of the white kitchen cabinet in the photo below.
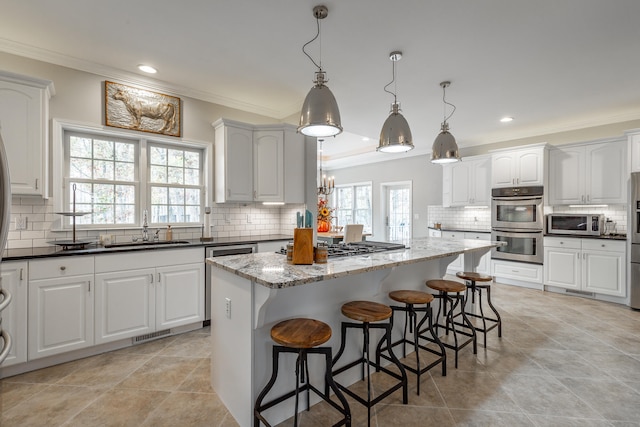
(233, 162)
(125, 304)
(593, 173)
(137, 294)
(590, 265)
(14, 317)
(469, 182)
(24, 115)
(435, 232)
(258, 163)
(61, 297)
(518, 167)
(484, 264)
(517, 273)
(633, 148)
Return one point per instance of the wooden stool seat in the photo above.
(411, 297)
(301, 333)
(476, 277)
(366, 311)
(446, 285)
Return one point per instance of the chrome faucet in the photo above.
(145, 227)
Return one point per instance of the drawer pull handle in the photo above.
(21, 274)
(603, 245)
(151, 277)
(515, 271)
(63, 268)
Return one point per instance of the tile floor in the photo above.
(562, 361)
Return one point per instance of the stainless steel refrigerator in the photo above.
(634, 231)
(5, 207)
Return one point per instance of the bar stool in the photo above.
(410, 299)
(367, 312)
(470, 279)
(301, 336)
(449, 292)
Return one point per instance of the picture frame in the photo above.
(128, 107)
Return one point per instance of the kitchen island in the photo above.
(251, 293)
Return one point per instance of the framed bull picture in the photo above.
(138, 109)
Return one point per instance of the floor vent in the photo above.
(581, 293)
(147, 337)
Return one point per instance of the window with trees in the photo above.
(353, 205)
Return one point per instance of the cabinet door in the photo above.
(566, 176)
(634, 148)
(604, 273)
(562, 267)
(125, 304)
(606, 166)
(502, 170)
(60, 315)
(268, 166)
(460, 179)
(238, 165)
(14, 316)
(23, 122)
(179, 295)
(529, 167)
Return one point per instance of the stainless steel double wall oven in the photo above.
(517, 219)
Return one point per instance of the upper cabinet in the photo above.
(634, 149)
(258, 163)
(467, 183)
(593, 173)
(24, 115)
(518, 167)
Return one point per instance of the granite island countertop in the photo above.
(273, 271)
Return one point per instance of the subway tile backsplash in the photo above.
(229, 220)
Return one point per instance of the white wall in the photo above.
(426, 181)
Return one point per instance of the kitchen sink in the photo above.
(143, 243)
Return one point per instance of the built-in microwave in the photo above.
(581, 224)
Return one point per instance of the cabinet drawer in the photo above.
(60, 267)
(478, 236)
(604, 245)
(562, 242)
(518, 271)
(453, 235)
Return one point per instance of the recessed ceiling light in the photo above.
(506, 119)
(147, 69)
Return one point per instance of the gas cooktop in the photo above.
(357, 248)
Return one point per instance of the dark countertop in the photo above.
(95, 249)
(460, 230)
(577, 236)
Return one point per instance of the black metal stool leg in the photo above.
(257, 417)
(494, 311)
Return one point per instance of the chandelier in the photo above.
(327, 185)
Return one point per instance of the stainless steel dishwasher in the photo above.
(216, 251)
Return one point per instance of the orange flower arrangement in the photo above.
(324, 215)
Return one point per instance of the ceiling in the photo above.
(552, 65)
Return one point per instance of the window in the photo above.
(114, 178)
(101, 179)
(353, 205)
(175, 184)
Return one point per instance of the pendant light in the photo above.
(395, 136)
(445, 148)
(320, 116)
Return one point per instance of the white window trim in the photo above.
(58, 165)
(353, 185)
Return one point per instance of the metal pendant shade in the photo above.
(395, 136)
(320, 115)
(445, 148)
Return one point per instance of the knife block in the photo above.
(303, 245)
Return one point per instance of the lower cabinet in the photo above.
(590, 265)
(60, 305)
(136, 301)
(14, 317)
(484, 264)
